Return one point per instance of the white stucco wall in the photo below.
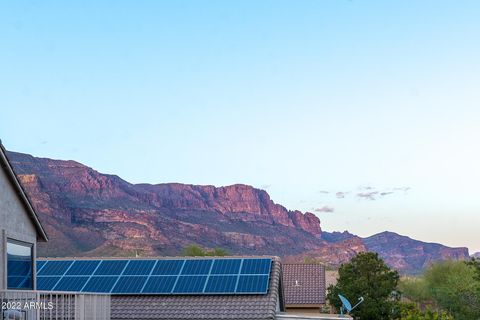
(15, 222)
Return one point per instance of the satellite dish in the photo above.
(347, 306)
(345, 303)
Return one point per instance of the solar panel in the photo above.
(252, 284)
(256, 266)
(221, 284)
(40, 264)
(130, 284)
(46, 283)
(192, 267)
(55, 268)
(168, 267)
(226, 266)
(142, 276)
(100, 284)
(83, 267)
(160, 284)
(71, 283)
(190, 284)
(139, 267)
(111, 267)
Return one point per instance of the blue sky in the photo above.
(305, 99)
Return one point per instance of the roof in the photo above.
(212, 307)
(5, 163)
(304, 284)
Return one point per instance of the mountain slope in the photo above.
(409, 255)
(87, 213)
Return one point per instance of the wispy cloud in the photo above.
(365, 188)
(386, 193)
(373, 194)
(367, 192)
(324, 209)
(340, 194)
(368, 195)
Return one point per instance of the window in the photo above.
(19, 265)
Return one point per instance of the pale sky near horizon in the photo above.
(364, 112)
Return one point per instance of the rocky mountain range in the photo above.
(87, 213)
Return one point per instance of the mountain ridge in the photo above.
(90, 213)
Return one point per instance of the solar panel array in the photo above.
(164, 277)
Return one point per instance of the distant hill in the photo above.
(87, 213)
(409, 255)
(476, 255)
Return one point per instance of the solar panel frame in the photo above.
(40, 264)
(102, 284)
(190, 284)
(129, 285)
(83, 268)
(111, 267)
(226, 266)
(47, 283)
(71, 283)
(55, 268)
(162, 284)
(139, 267)
(197, 267)
(256, 266)
(171, 267)
(257, 284)
(221, 284)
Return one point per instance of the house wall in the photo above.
(15, 223)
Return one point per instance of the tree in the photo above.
(368, 276)
(475, 264)
(415, 289)
(454, 288)
(217, 252)
(193, 251)
(196, 251)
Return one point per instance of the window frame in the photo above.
(32, 261)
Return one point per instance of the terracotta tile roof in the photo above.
(213, 307)
(304, 284)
